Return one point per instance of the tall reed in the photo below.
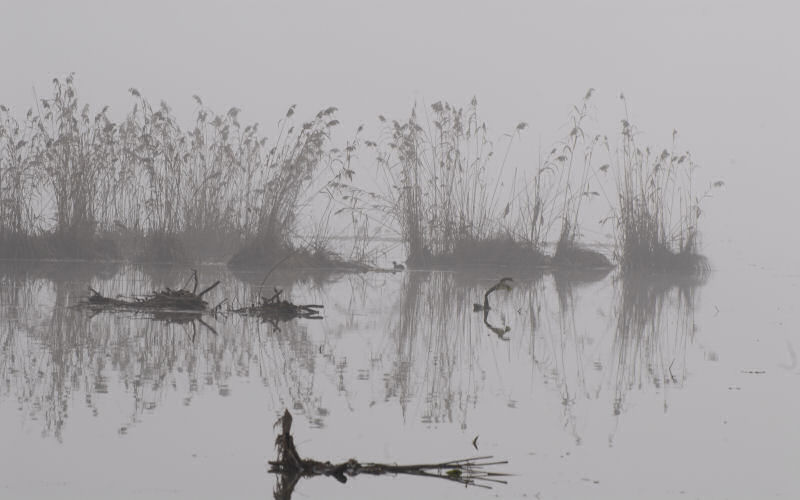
(657, 209)
(442, 183)
(284, 175)
(18, 219)
(553, 198)
(70, 179)
(57, 171)
(75, 184)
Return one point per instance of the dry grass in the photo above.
(436, 183)
(70, 178)
(75, 184)
(573, 256)
(658, 210)
(492, 252)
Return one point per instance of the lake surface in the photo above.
(591, 386)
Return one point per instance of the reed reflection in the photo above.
(654, 326)
(589, 335)
(637, 345)
(412, 339)
(445, 346)
(53, 351)
(46, 353)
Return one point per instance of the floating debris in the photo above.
(164, 300)
(291, 467)
(274, 309)
(181, 306)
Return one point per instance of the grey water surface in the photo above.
(591, 385)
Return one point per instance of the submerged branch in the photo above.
(500, 285)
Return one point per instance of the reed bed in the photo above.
(564, 182)
(658, 208)
(457, 202)
(76, 184)
(442, 186)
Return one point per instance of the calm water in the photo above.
(591, 386)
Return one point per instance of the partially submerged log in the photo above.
(291, 467)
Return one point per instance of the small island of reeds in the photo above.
(76, 184)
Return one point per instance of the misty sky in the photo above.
(726, 74)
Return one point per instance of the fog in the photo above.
(721, 73)
(591, 384)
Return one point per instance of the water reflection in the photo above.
(654, 325)
(445, 350)
(637, 343)
(52, 351)
(386, 339)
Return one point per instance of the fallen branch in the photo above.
(291, 467)
(164, 300)
(500, 285)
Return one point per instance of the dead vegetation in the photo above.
(72, 177)
(181, 306)
(273, 309)
(163, 300)
(291, 467)
(184, 304)
(658, 209)
(75, 184)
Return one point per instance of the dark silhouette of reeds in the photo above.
(560, 188)
(657, 209)
(75, 184)
(438, 191)
(444, 188)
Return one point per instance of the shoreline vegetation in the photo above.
(76, 185)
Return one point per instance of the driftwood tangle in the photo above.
(167, 299)
(291, 466)
(181, 306)
(188, 305)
